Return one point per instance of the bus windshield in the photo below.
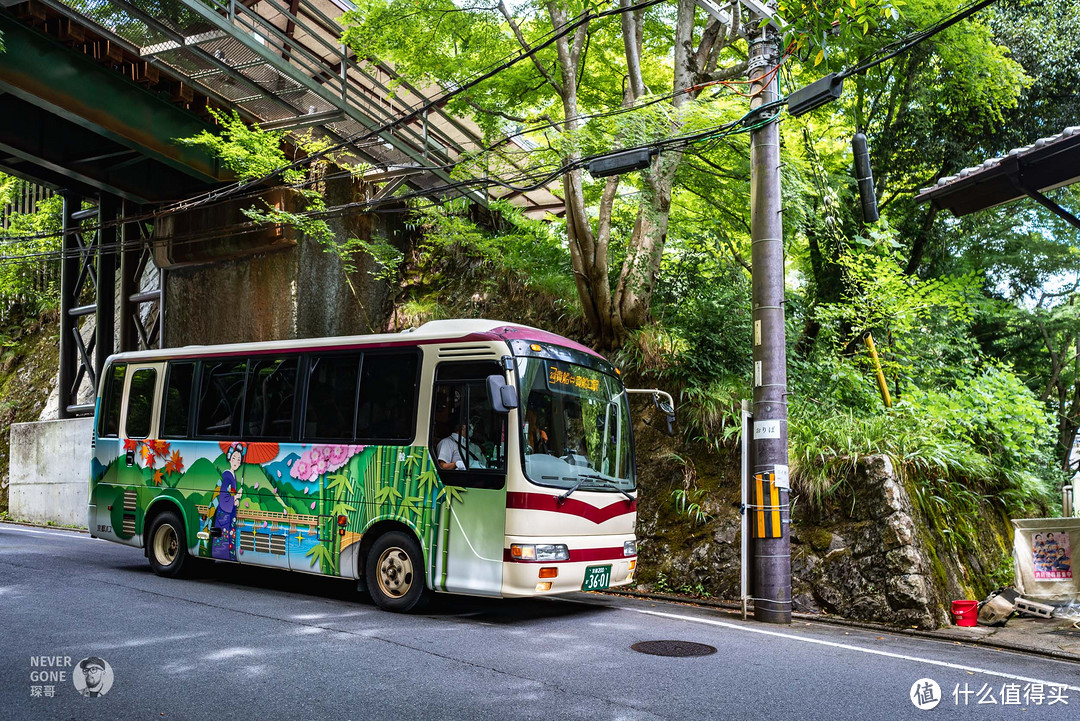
(575, 427)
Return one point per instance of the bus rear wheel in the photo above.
(167, 552)
(395, 573)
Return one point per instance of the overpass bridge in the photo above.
(93, 97)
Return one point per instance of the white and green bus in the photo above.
(465, 456)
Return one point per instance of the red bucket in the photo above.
(966, 613)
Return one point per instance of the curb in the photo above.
(735, 608)
(32, 524)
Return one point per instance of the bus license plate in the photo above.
(597, 578)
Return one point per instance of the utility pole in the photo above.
(771, 543)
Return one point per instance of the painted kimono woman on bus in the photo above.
(224, 527)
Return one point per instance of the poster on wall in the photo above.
(1052, 556)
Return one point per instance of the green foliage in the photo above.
(881, 297)
(989, 434)
(661, 585)
(807, 25)
(248, 151)
(688, 503)
(27, 279)
(388, 258)
(252, 153)
(532, 250)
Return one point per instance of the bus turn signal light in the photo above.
(342, 520)
(535, 347)
(549, 572)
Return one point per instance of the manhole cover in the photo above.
(673, 648)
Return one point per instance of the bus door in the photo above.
(134, 478)
(469, 441)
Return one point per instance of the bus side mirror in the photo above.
(501, 396)
(667, 410)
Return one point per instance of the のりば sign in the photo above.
(1051, 555)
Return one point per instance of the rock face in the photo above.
(873, 568)
(870, 556)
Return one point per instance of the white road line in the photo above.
(848, 647)
(54, 534)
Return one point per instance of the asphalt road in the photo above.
(254, 644)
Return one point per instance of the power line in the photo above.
(256, 191)
(914, 39)
(417, 110)
(536, 178)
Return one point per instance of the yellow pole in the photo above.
(882, 385)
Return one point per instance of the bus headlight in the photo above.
(629, 548)
(539, 552)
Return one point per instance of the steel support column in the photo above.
(136, 255)
(130, 249)
(108, 214)
(69, 272)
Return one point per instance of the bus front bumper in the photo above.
(542, 578)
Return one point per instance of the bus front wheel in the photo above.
(395, 573)
(167, 552)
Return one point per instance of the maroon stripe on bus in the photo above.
(578, 555)
(571, 506)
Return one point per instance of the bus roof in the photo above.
(437, 331)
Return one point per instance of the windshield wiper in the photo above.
(562, 499)
(603, 481)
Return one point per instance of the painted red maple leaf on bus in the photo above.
(175, 464)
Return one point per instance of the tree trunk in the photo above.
(637, 281)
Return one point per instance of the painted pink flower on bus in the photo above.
(339, 456)
(322, 459)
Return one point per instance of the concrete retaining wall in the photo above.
(50, 467)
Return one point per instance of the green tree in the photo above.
(653, 62)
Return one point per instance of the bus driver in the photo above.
(452, 452)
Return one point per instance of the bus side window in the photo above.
(111, 396)
(140, 403)
(386, 408)
(330, 411)
(468, 436)
(270, 395)
(221, 398)
(177, 403)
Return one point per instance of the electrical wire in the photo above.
(416, 110)
(904, 44)
(257, 191)
(532, 176)
(221, 195)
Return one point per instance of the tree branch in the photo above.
(506, 116)
(735, 71)
(525, 45)
(632, 52)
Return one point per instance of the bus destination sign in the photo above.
(563, 380)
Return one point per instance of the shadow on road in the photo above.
(443, 606)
